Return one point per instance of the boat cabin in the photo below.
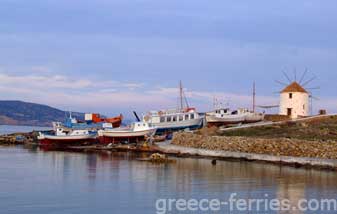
(226, 111)
(141, 126)
(170, 117)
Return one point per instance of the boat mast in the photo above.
(181, 95)
(254, 96)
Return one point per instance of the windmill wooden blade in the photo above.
(268, 107)
(309, 81)
(303, 76)
(295, 74)
(281, 83)
(313, 88)
(313, 97)
(286, 75)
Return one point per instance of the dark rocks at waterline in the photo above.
(19, 138)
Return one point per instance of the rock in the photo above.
(270, 146)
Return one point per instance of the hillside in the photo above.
(23, 113)
(318, 129)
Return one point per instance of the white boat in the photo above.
(184, 117)
(137, 131)
(172, 120)
(254, 117)
(224, 116)
(61, 136)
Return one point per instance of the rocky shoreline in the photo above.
(266, 146)
(285, 151)
(18, 138)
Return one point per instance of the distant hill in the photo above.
(31, 114)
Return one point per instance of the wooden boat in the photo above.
(62, 137)
(136, 132)
(224, 116)
(254, 117)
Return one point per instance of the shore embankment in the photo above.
(267, 146)
(18, 138)
(317, 163)
(297, 152)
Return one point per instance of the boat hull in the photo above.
(218, 121)
(254, 118)
(163, 128)
(66, 140)
(232, 120)
(120, 136)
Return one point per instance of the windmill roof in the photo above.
(294, 87)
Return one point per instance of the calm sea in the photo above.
(34, 181)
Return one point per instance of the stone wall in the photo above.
(267, 146)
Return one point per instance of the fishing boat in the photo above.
(254, 117)
(136, 132)
(62, 137)
(167, 121)
(92, 122)
(225, 116)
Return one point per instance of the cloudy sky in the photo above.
(114, 56)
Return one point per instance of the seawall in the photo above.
(280, 150)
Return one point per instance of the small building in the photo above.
(294, 101)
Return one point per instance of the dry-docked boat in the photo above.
(137, 131)
(225, 116)
(62, 137)
(173, 120)
(92, 122)
(184, 117)
(254, 117)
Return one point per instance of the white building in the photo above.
(294, 101)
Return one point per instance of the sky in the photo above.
(115, 56)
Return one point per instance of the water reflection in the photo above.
(109, 180)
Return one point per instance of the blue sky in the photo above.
(114, 56)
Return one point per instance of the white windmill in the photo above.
(295, 98)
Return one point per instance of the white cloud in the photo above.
(93, 95)
(43, 81)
